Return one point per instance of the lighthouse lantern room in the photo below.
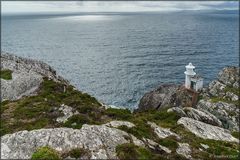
(192, 81)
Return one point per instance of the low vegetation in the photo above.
(42, 110)
(44, 153)
(78, 153)
(130, 151)
(6, 74)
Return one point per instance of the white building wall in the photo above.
(187, 81)
(199, 85)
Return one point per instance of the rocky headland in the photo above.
(44, 117)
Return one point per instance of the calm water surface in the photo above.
(117, 57)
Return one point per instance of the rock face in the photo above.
(26, 77)
(203, 116)
(227, 113)
(100, 140)
(164, 96)
(206, 131)
(67, 111)
(184, 149)
(158, 98)
(228, 77)
(162, 132)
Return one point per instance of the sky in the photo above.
(114, 6)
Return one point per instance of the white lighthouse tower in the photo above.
(189, 74)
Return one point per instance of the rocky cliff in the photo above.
(45, 117)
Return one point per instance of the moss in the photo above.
(130, 151)
(79, 152)
(44, 153)
(6, 74)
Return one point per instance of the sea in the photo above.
(118, 57)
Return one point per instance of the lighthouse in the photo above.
(192, 81)
(189, 73)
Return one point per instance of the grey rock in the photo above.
(184, 149)
(26, 77)
(21, 84)
(158, 98)
(231, 96)
(204, 146)
(227, 113)
(206, 131)
(216, 88)
(67, 111)
(100, 140)
(177, 110)
(155, 146)
(203, 116)
(162, 132)
(229, 75)
(117, 124)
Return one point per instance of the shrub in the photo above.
(45, 153)
(120, 114)
(130, 151)
(79, 120)
(6, 74)
(79, 152)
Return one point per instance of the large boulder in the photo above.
(167, 95)
(100, 140)
(27, 76)
(158, 98)
(203, 116)
(206, 131)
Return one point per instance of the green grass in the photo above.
(76, 121)
(41, 111)
(45, 153)
(130, 151)
(6, 74)
(119, 114)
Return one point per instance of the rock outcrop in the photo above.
(67, 113)
(26, 77)
(158, 98)
(206, 131)
(162, 132)
(99, 139)
(227, 113)
(228, 77)
(184, 150)
(165, 96)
